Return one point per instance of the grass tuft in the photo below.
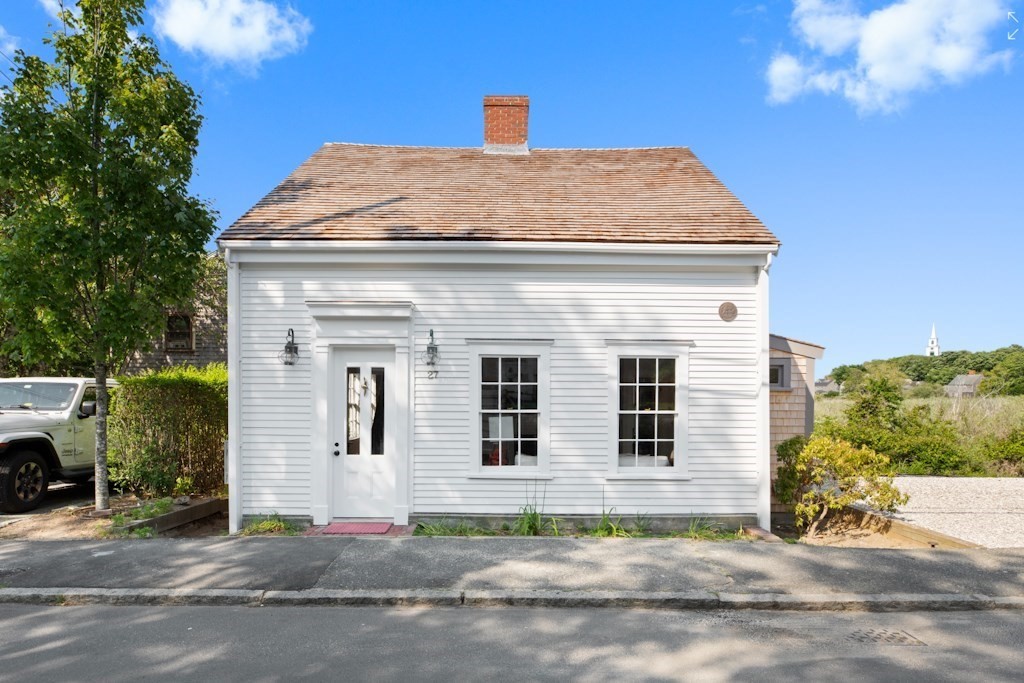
(607, 527)
(445, 528)
(270, 525)
(701, 529)
(530, 522)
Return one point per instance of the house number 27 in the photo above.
(431, 374)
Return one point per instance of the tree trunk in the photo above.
(102, 398)
(100, 357)
(813, 528)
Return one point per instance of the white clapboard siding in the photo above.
(578, 312)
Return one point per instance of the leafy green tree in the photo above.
(877, 403)
(949, 365)
(68, 361)
(942, 369)
(886, 369)
(914, 367)
(855, 379)
(841, 373)
(1007, 377)
(96, 153)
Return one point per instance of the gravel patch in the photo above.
(988, 511)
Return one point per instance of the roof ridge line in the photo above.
(532, 149)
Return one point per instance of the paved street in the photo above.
(270, 644)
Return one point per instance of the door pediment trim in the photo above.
(361, 309)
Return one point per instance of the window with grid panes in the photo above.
(508, 411)
(178, 333)
(647, 412)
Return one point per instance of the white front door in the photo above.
(364, 433)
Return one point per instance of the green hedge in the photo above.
(167, 431)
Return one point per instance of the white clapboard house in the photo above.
(426, 331)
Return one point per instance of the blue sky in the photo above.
(881, 141)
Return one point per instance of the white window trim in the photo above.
(541, 348)
(680, 350)
(785, 375)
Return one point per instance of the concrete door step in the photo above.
(357, 528)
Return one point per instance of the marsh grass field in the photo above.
(975, 418)
(978, 421)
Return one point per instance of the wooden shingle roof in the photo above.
(369, 192)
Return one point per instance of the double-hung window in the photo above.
(178, 333)
(511, 409)
(648, 401)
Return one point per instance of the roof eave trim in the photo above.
(800, 348)
(491, 246)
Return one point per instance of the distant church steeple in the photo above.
(933, 345)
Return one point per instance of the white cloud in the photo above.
(240, 32)
(53, 7)
(8, 44)
(877, 60)
(787, 77)
(832, 27)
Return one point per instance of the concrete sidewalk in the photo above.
(667, 573)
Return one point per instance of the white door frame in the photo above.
(344, 357)
(362, 324)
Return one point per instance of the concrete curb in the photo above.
(363, 598)
(693, 600)
(129, 596)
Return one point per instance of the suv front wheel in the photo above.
(23, 480)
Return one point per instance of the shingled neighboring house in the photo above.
(791, 379)
(196, 333)
(826, 386)
(421, 331)
(964, 386)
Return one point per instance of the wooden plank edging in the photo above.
(907, 531)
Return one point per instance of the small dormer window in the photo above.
(178, 336)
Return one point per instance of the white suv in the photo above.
(47, 432)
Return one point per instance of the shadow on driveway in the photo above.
(59, 495)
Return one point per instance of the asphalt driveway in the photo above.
(59, 495)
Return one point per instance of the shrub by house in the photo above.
(168, 429)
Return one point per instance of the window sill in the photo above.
(647, 476)
(511, 475)
(773, 388)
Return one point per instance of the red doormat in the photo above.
(357, 528)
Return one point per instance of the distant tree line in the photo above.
(1003, 370)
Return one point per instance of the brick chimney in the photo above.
(505, 124)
